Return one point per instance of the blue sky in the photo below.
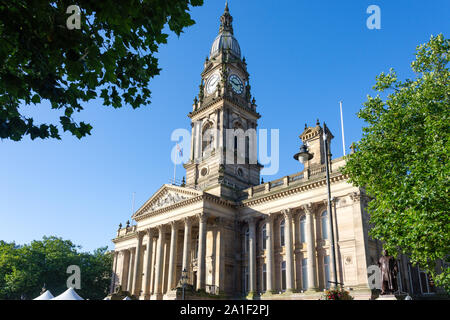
(303, 57)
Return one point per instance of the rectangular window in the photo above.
(282, 233)
(305, 274)
(303, 229)
(326, 267)
(283, 276)
(264, 278)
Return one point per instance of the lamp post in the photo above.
(303, 156)
(184, 278)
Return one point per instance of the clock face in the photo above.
(236, 84)
(212, 82)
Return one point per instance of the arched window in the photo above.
(303, 229)
(264, 278)
(196, 248)
(207, 138)
(264, 236)
(282, 233)
(324, 223)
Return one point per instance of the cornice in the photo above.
(128, 236)
(290, 190)
(211, 104)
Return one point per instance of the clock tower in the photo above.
(224, 121)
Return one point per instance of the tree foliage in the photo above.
(25, 269)
(112, 57)
(402, 160)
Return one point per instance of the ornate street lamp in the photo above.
(303, 156)
(184, 279)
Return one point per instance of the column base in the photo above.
(170, 295)
(311, 290)
(251, 295)
(156, 296)
(268, 294)
(289, 291)
(144, 297)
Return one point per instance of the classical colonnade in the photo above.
(157, 277)
(158, 264)
(275, 252)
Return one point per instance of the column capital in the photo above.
(355, 196)
(287, 213)
(187, 221)
(140, 234)
(202, 217)
(151, 232)
(174, 224)
(268, 217)
(161, 228)
(251, 220)
(308, 208)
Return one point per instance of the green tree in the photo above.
(111, 56)
(25, 269)
(402, 160)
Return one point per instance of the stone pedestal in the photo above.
(170, 295)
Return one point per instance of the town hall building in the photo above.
(233, 235)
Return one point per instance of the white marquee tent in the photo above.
(69, 294)
(47, 295)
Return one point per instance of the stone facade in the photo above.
(234, 236)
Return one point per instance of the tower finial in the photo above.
(226, 20)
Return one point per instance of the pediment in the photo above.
(166, 196)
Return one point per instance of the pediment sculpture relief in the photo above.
(167, 199)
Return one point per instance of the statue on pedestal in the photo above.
(389, 270)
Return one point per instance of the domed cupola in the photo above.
(225, 40)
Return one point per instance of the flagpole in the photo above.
(342, 127)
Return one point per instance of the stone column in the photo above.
(219, 256)
(173, 255)
(186, 244)
(148, 263)
(311, 247)
(252, 255)
(269, 258)
(137, 266)
(289, 249)
(114, 273)
(124, 271)
(130, 271)
(201, 274)
(159, 260)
